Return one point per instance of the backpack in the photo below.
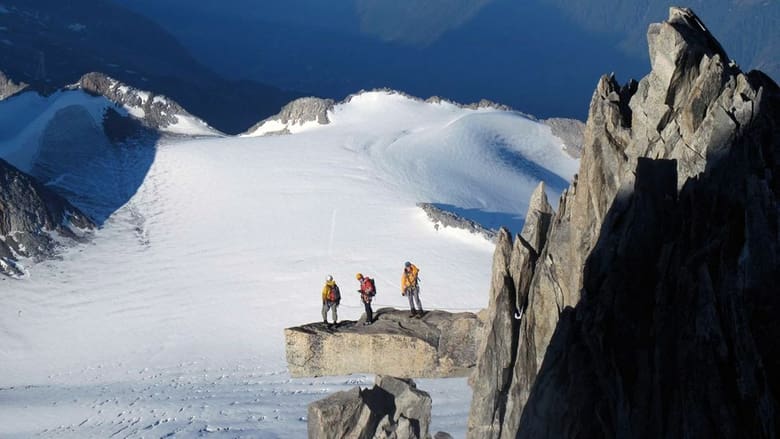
(334, 295)
(369, 288)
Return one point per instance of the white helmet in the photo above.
(329, 278)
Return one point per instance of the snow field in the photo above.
(170, 321)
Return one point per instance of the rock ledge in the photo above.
(439, 345)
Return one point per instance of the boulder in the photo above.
(393, 409)
(441, 344)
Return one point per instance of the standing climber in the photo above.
(331, 297)
(367, 292)
(410, 287)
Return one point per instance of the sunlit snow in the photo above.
(169, 322)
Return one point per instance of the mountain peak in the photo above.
(157, 112)
(669, 230)
(679, 44)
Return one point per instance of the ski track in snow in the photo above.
(169, 322)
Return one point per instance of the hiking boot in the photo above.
(366, 323)
(420, 314)
(413, 314)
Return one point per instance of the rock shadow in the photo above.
(675, 332)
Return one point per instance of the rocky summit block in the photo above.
(438, 345)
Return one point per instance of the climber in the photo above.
(367, 292)
(331, 297)
(410, 287)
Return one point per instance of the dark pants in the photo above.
(369, 312)
(328, 305)
(413, 294)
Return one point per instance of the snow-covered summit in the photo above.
(304, 113)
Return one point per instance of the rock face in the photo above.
(652, 307)
(570, 131)
(154, 111)
(440, 344)
(443, 218)
(508, 296)
(32, 219)
(393, 409)
(295, 114)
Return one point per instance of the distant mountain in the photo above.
(417, 24)
(540, 56)
(524, 54)
(50, 43)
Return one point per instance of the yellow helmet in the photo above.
(358, 276)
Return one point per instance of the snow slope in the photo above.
(169, 323)
(25, 117)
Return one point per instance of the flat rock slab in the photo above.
(438, 345)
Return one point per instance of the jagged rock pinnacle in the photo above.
(640, 318)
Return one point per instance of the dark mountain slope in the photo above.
(52, 43)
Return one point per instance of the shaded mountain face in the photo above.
(33, 220)
(523, 54)
(747, 28)
(49, 44)
(540, 56)
(651, 309)
(414, 23)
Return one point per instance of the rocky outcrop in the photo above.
(8, 87)
(154, 111)
(393, 409)
(652, 309)
(508, 296)
(294, 115)
(570, 131)
(33, 220)
(440, 344)
(443, 218)
(481, 104)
